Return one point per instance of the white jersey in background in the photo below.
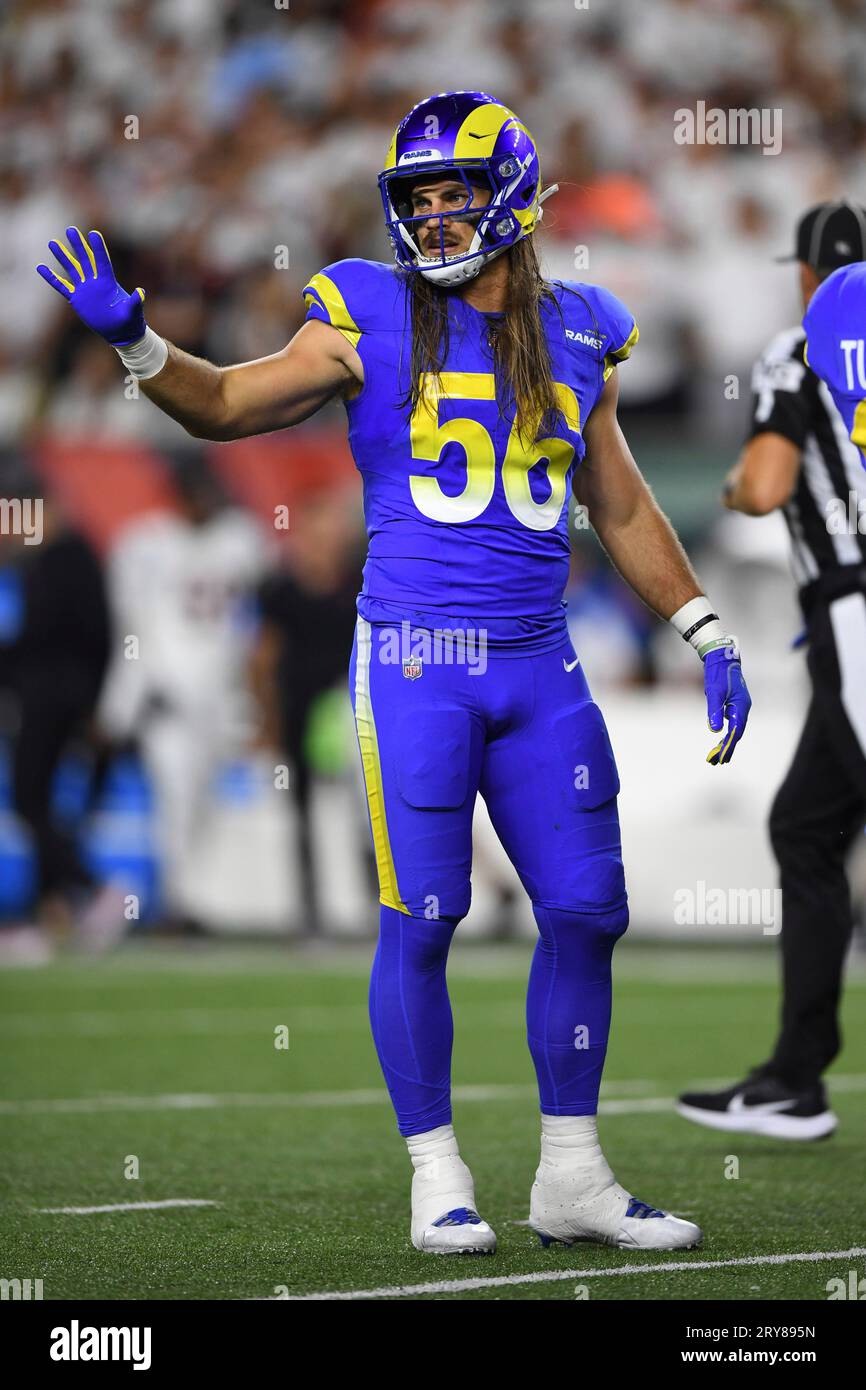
(182, 595)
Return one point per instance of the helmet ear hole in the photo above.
(488, 231)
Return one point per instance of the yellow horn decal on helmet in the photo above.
(529, 216)
(391, 156)
(477, 135)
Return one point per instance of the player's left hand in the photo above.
(728, 699)
(92, 289)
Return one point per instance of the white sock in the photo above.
(570, 1152)
(426, 1149)
(441, 1180)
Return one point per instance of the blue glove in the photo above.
(727, 698)
(93, 291)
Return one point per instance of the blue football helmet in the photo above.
(473, 138)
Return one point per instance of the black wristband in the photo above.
(702, 622)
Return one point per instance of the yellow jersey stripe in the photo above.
(322, 289)
(621, 353)
(858, 433)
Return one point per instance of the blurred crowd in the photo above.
(214, 139)
(228, 149)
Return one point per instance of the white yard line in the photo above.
(560, 1275)
(303, 1018)
(326, 1100)
(170, 1022)
(127, 1206)
(138, 1023)
(304, 1100)
(673, 963)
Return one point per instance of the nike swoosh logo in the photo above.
(570, 667)
(770, 1107)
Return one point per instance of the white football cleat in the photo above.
(612, 1217)
(444, 1219)
(457, 1232)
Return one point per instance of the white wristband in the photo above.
(699, 625)
(146, 357)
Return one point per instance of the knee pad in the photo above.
(559, 924)
(422, 942)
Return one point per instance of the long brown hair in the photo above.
(521, 355)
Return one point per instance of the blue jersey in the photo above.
(835, 324)
(467, 524)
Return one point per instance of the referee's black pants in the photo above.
(818, 811)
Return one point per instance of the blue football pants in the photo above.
(526, 734)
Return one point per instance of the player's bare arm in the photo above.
(210, 402)
(256, 397)
(625, 516)
(646, 551)
(763, 477)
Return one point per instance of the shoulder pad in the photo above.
(604, 318)
(354, 296)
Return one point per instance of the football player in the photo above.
(477, 395)
(835, 348)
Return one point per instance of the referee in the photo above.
(799, 458)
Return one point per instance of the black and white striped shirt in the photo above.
(790, 400)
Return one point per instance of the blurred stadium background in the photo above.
(256, 137)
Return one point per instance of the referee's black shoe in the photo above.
(762, 1104)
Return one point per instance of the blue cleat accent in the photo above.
(547, 1241)
(642, 1209)
(460, 1216)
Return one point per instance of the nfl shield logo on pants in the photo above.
(412, 668)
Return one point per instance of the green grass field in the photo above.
(167, 1054)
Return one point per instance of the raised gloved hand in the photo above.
(93, 291)
(728, 699)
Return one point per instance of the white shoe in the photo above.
(763, 1104)
(460, 1231)
(444, 1219)
(612, 1217)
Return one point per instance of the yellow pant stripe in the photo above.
(389, 893)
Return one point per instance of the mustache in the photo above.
(430, 236)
